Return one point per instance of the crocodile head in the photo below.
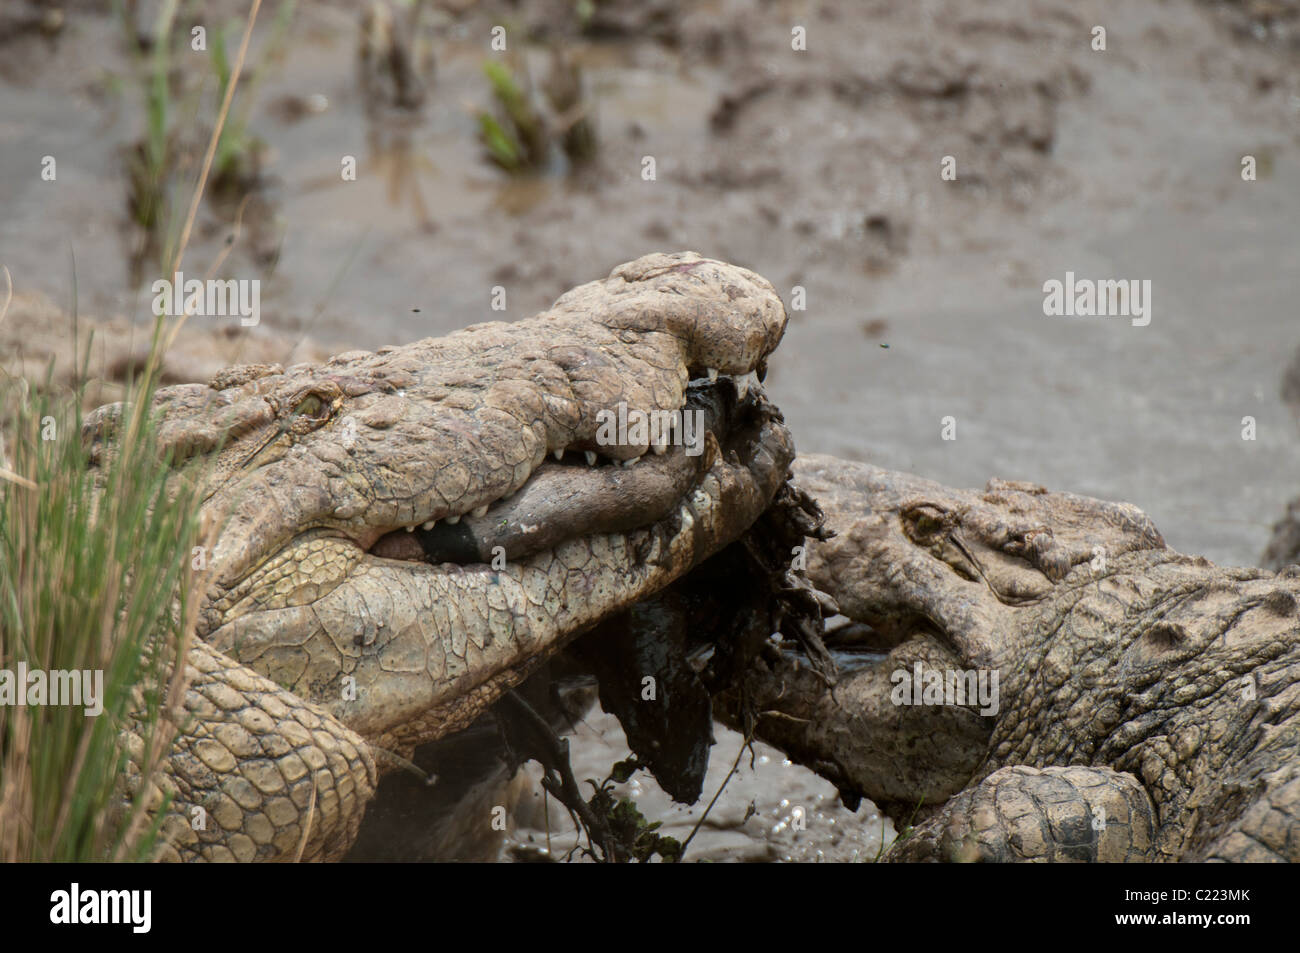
(936, 581)
(1109, 650)
(402, 534)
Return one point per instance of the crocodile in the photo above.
(1035, 676)
(403, 536)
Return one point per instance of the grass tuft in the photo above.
(100, 539)
(95, 576)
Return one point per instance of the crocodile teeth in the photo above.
(431, 524)
(411, 528)
(481, 511)
(660, 449)
(713, 374)
(742, 383)
(591, 457)
(558, 454)
(631, 462)
(649, 551)
(454, 519)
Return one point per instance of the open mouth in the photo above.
(435, 622)
(582, 492)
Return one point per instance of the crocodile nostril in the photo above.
(1280, 602)
(1166, 635)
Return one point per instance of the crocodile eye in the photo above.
(923, 521)
(312, 410)
(310, 406)
(927, 524)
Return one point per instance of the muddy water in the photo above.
(819, 169)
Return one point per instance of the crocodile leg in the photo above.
(258, 774)
(1020, 814)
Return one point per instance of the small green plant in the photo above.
(521, 136)
(631, 836)
(237, 164)
(583, 11)
(519, 141)
(163, 162)
(903, 833)
(149, 161)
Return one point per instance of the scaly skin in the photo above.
(328, 633)
(1149, 702)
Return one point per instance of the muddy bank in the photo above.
(37, 337)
